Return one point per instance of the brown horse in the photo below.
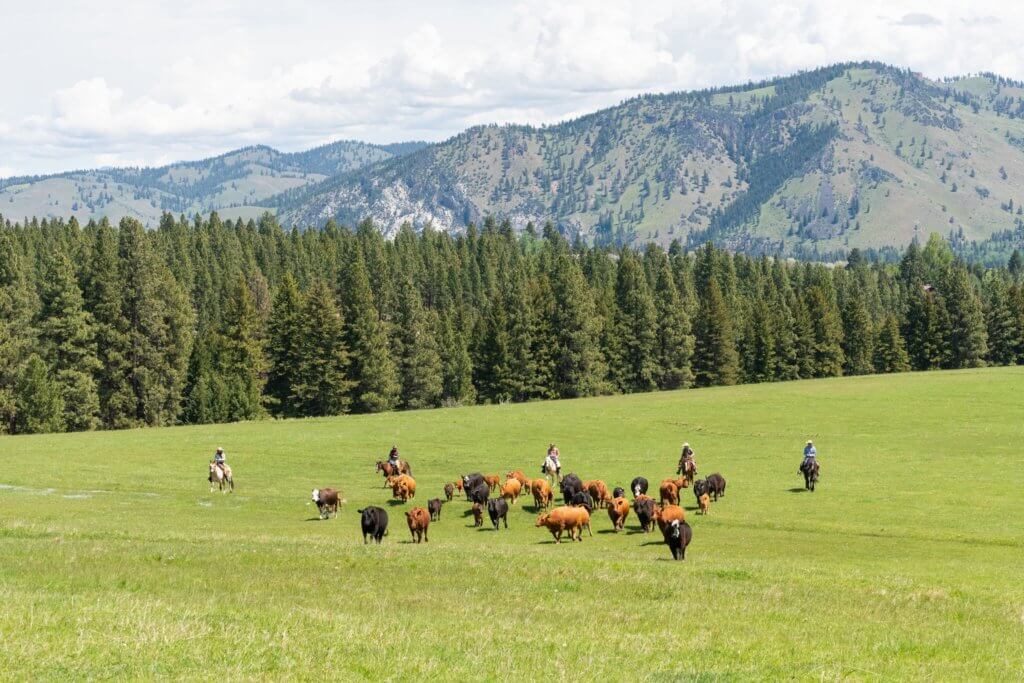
(389, 470)
(688, 470)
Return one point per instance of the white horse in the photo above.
(221, 478)
(551, 470)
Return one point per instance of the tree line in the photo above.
(207, 320)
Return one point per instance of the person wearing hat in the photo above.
(219, 458)
(810, 455)
(393, 460)
(686, 457)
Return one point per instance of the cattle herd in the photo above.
(487, 493)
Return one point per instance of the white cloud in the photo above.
(149, 83)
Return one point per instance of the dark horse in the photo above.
(809, 468)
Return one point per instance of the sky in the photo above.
(91, 83)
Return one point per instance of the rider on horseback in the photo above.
(810, 456)
(552, 457)
(219, 459)
(393, 460)
(686, 457)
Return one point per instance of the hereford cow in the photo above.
(618, 510)
(563, 519)
(665, 515)
(497, 510)
(669, 492)
(678, 535)
(434, 507)
(542, 494)
(638, 486)
(716, 486)
(598, 491)
(326, 502)
(374, 521)
(419, 520)
(478, 514)
(644, 507)
(571, 485)
(511, 489)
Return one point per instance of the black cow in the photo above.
(374, 522)
(644, 508)
(571, 485)
(471, 481)
(716, 485)
(583, 499)
(619, 492)
(700, 487)
(479, 494)
(497, 510)
(638, 486)
(678, 535)
(434, 507)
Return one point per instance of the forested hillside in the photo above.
(237, 184)
(810, 165)
(213, 320)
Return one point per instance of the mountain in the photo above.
(853, 155)
(235, 184)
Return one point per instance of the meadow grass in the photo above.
(117, 562)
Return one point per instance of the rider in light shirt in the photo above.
(810, 454)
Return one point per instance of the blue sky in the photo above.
(112, 83)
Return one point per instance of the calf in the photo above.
(511, 489)
(678, 535)
(669, 492)
(449, 491)
(542, 494)
(419, 520)
(480, 494)
(704, 502)
(682, 483)
(571, 485)
(583, 499)
(618, 510)
(716, 486)
(598, 491)
(478, 514)
(497, 510)
(563, 519)
(404, 488)
(700, 487)
(668, 514)
(520, 477)
(493, 481)
(374, 521)
(458, 485)
(638, 486)
(434, 506)
(619, 492)
(644, 506)
(326, 502)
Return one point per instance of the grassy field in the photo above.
(116, 561)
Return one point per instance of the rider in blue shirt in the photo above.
(810, 455)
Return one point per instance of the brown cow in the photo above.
(511, 490)
(565, 518)
(419, 520)
(667, 514)
(618, 510)
(493, 481)
(542, 493)
(478, 514)
(458, 485)
(705, 503)
(520, 477)
(404, 488)
(598, 491)
(682, 483)
(449, 490)
(669, 492)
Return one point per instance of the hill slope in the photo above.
(859, 155)
(896, 568)
(235, 184)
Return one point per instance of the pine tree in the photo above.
(759, 344)
(40, 407)
(715, 361)
(373, 368)
(242, 362)
(67, 338)
(15, 329)
(858, 336)
(966, 321)
(1004, 335)
(457, 366)
(890, 350)
(925, 329)
(321, 384)
(284, 346)
(827, 332)
(635, 328)
(418, 360)
(579, 367)
(674, 343)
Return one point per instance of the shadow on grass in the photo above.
(607, 531)
(394, 503)
(652, 543)
(797, 489)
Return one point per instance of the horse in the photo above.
(389, 470)
(810, 468)
(550, 470)
(689, 470)
(221, 477)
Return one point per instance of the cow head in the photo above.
(316, 496)
(673, 529)
(542, 520)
